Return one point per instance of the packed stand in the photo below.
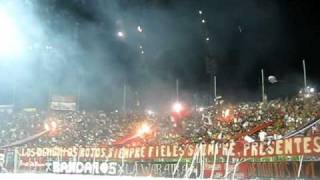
(219, 121)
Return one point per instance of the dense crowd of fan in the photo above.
(234, 122)
(219, 121)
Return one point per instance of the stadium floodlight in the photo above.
(203, 21)
(10, 38)
(177, 107)
(200, 12)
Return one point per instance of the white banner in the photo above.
(107, 168)
(63, 103)
(6, 108)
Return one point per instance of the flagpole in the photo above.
(262, 85)
(124, 97)
(14, 94)
(211, 90)
(79, 90)
(177, 89)
(215, 86)
(49, 96)
(79, 96)
(304, 74)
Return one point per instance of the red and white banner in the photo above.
(309, 145)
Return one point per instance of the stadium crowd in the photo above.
(219, 121)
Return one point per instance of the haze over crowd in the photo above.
(72, 47)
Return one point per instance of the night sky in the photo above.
(76, 49)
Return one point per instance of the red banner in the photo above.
(286, 147)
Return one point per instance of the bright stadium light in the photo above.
(200, 12)
(177, 107)
(10, 38)
(203, 21)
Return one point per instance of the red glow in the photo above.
(142, 133)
